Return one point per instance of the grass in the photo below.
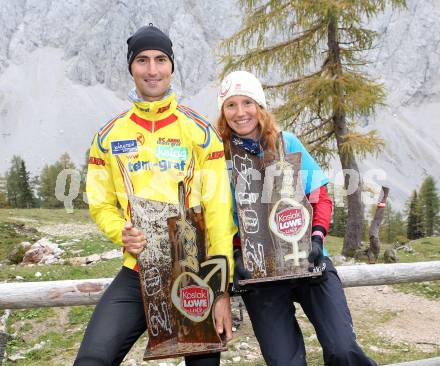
(80, 314)
(55, 272)
(39, 313)
(12, 234)
(425, 249)
(42, 216)
(51, 346)
(88, 245)
(38, 331)
(54, 344)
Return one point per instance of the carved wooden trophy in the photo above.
(179, 283)
(274, 215)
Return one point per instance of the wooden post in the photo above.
(374, 248)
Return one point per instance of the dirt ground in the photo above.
(388, 313)
(416, 320)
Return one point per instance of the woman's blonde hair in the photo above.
(268, 130)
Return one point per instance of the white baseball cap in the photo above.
(241, 83)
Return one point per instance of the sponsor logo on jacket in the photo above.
(164, 108)
(172, 152)
(162, 165)
(140, 138)
(168, 141)
(123, 147)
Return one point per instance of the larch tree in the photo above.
(313, 53)
(48, 179)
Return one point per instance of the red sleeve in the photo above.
(322, 207)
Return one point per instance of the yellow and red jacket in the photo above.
(147, 151)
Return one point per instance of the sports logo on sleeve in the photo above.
(96, 161)
(124, 147)
(216, 155)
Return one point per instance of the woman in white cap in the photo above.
(244, 121)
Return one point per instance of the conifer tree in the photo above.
(19, 191)
(24, 185)
(429, 201)
(414, 220)
(315, 47)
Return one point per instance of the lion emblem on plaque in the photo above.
(179, 282)
(274, 214)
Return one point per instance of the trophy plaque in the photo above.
(179, 282)
(275, 217)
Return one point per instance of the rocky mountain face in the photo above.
(63, 73)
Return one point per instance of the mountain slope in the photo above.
(63, 73)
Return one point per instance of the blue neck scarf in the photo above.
(249, 145)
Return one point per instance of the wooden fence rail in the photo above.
(25, 295)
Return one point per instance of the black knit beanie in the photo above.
(149, 38)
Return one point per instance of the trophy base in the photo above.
(171, 349)
(298, 275)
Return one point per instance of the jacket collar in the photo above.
(156, 110)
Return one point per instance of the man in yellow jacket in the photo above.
(147, 151)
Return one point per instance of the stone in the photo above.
(115, 253)
(77, 261)
(40, 251)
(243, 346)
(92, 258)
(390, 255)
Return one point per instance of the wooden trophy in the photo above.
(275, 217)
(179, 283)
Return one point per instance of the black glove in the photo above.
(316, 259)
(316, 256)
(240, 273)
